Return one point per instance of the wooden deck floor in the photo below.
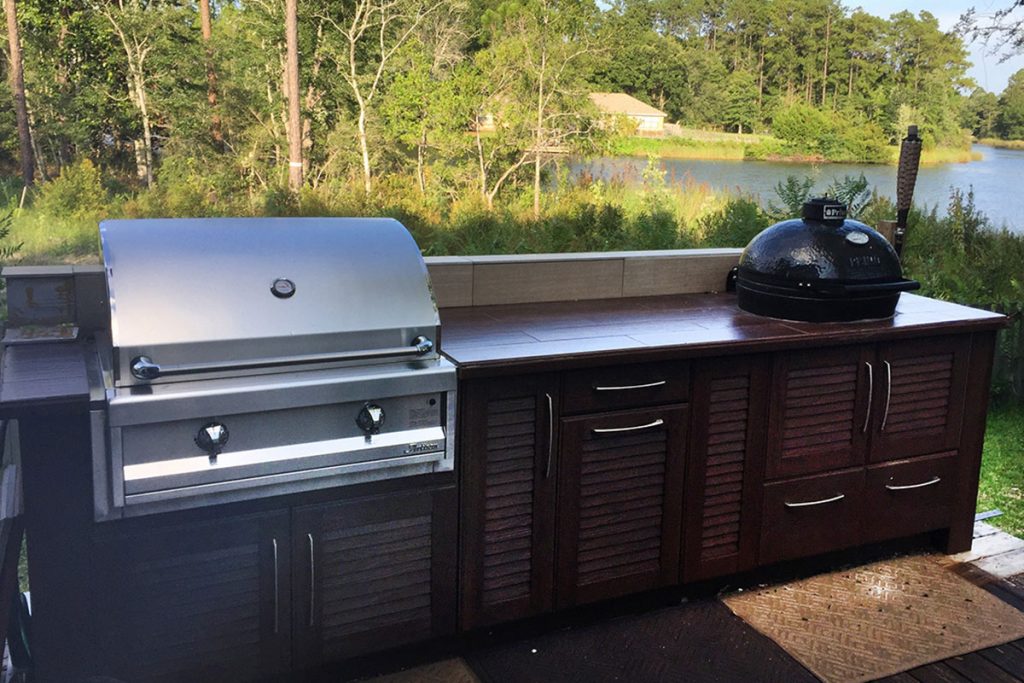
(717, 646)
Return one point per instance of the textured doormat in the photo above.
(879, 619)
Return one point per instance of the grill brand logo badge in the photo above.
(834, 213)
(422, 447)
(865, 261)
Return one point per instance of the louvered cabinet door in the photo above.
(725, 467)
(919, 399)
(372, 573)
(507, 496)
(197, 602)
(819, 417)
(619, 503)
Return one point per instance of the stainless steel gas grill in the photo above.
(256, 357)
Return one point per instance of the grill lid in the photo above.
(220, 296)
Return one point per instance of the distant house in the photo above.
(649, 121)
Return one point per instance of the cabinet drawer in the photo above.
(625, 386)
(909, 497)
(811, 515)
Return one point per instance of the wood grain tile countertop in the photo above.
(506, 339)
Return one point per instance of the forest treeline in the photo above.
(256, 96)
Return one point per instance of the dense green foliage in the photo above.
(133, 87)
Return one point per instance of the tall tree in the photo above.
(206, 28)
(17, 77)
(291, 80)
(545, 42)
(372, 33)
(127, 18)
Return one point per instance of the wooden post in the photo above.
(887, 229)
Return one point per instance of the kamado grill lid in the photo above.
(821, 267)
(222, 296)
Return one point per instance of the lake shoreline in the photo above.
(992, 178)
(719, 149)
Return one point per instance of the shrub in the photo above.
(77, 193)
(734, 225)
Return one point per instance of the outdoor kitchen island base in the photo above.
(605, 448)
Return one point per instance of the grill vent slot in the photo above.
(384, 578)
(622, 484)
(508, 508)
(728, 412)
(920, 394)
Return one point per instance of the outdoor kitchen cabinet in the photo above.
(725, 467)
(196, 601)
(372, 573)
(508, 447)
(877, 428)
(620, 491)
(250, 596)
(571, 488)
(851, 405)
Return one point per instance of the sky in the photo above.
(987, 70)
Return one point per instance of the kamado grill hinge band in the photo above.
(144, 368)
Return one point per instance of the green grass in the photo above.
(1002, 144)
(1002, 468)
(680, 148)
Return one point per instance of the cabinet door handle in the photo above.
(277, 589)
(919, 485)
(888, 394)
(636, 428)
(871, 393)
(627, 387)
(811, 503)
(551, 434)
(312, 580)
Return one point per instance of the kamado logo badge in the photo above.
(834, 213)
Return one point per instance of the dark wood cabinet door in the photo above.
(508, 469)
(620, 486)
(725, 466)
(372, 573)
(919, 397)
(819, 410)
(204, 601)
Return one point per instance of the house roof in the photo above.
(621, 103)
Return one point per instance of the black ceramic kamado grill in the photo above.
(822, 267)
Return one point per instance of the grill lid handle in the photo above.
(144, 368)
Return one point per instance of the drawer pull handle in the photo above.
(871, 391)
(636, 428)
(627, 387)
(921, 485)
(810, 503)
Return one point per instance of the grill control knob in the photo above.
(212, 438)
(370, 419)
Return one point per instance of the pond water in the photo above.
(997, 180)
